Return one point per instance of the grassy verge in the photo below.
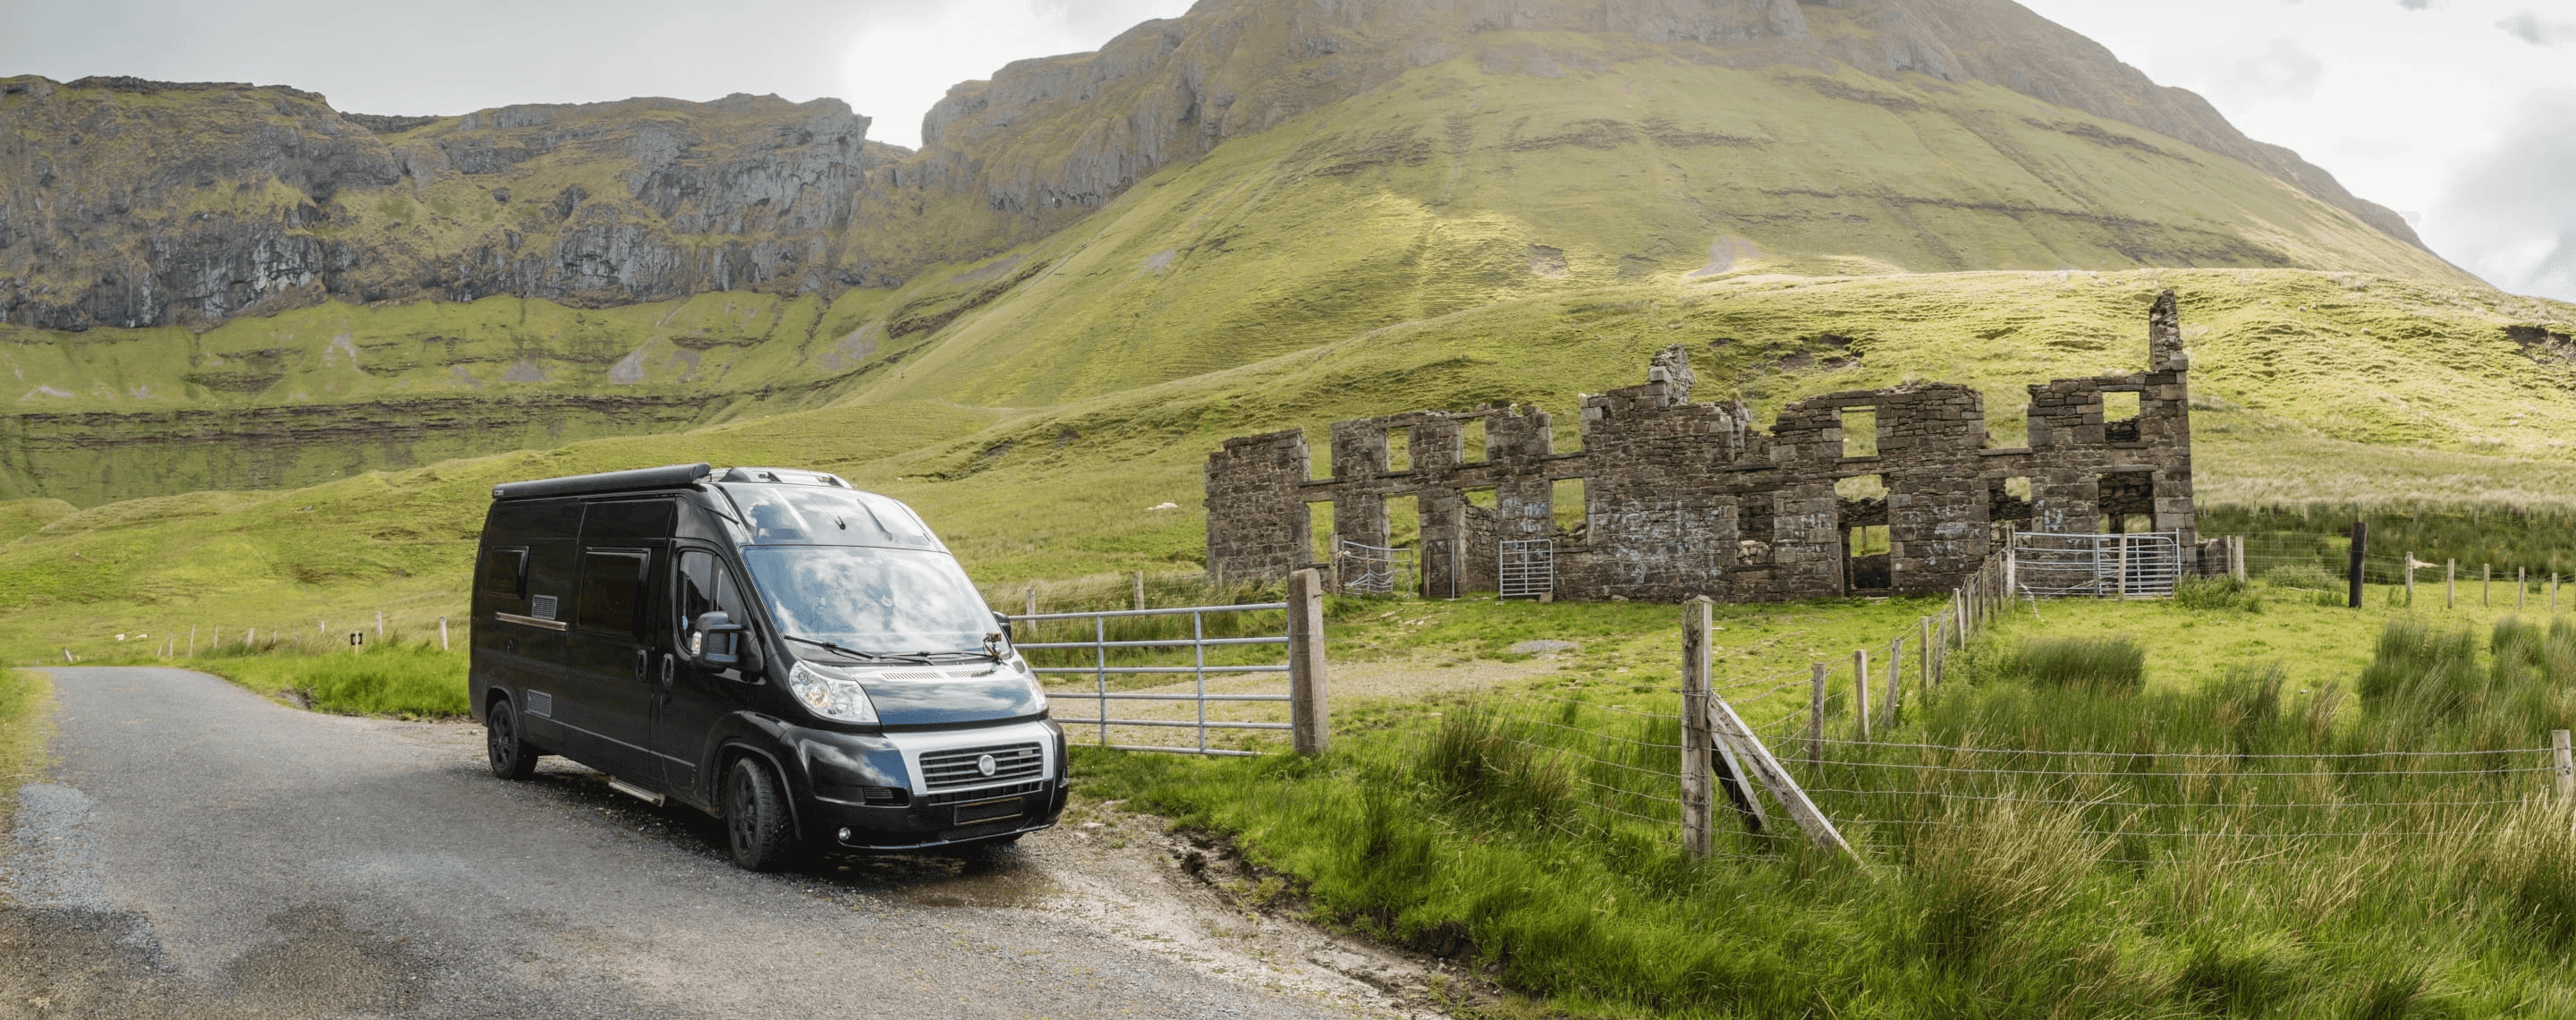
(2081, 867)
(26, 723)
(415, 681)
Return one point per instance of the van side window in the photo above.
(505, 572)
(612, 584)
(706, 587)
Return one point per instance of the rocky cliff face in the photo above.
(129, 203)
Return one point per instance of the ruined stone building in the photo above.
(1682, 498)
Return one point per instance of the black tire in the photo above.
(512, 757)
(761, 835)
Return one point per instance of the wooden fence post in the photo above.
(2236, 556)
(1815, 714)
(2410, 577)
(442, 634)
(2451, 584)
(1032, 602)
(1923, 644)
(1895, 685)
(2486, 585)
(2360, 547)
(2553, 594)
(1696, 736)
(2521, 587)
(1860, 690)
(192, 641)
(1310, 715)
(2565, 762)
(1140, 589)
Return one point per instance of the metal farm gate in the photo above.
(1372, 570)
(1194, 672)
(1528, 568)
(2097, 566)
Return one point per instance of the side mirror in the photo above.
(716, 642)
(1003, 620)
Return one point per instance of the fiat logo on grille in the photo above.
(984, 765)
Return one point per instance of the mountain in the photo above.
(221, 286)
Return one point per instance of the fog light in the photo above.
(845, 835)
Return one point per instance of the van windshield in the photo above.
(872, 600)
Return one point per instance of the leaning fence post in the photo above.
(2565, 762)
(1860, 690)
(1731, 732)
(1815, 714)
(1310, 717)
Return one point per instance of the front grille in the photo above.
(958, 796)
(942, 770)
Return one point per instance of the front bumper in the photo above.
(871, 793)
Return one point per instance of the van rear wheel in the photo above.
(507, 743)
(756, 822)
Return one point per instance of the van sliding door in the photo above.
(610, 650)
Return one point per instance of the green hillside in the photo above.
(2308, 385)
(1450, 189)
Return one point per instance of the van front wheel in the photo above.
(756, 820)
(512, 756)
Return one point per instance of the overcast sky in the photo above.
(2459, 113)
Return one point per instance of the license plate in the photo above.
(987, 810)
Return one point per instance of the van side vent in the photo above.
(541, 703)
(542, 607)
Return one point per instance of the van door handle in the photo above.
(643, 663)
(669, 666)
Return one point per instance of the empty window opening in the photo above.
(1403, 522)
(1399, 449)
(1482, 496)
(1319, 531)
(1860, 507)
(1860, 431)
(2008, 499)
(1753, 529)
(1471, 441)
(2127, 502)
(2120, 417)
(2008, 433)
(1566, 502)
(1565, 434)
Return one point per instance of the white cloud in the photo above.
(2528, 27)
(905, 54)
(2511, 209)
(2404, 100)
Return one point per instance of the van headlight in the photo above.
(831, 695)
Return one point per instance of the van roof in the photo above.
(672, 477)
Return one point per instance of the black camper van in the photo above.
(802, 660)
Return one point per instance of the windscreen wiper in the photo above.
(857, 654)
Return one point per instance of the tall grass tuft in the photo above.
(1476, 756)
(413, 681)
(2106, 665)
(2217, 593)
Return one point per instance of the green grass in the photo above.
(1500, 829)
(26, 723)
(410, 681)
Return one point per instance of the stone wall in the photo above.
(1684, 498)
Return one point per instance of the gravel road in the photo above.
(201, 851)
